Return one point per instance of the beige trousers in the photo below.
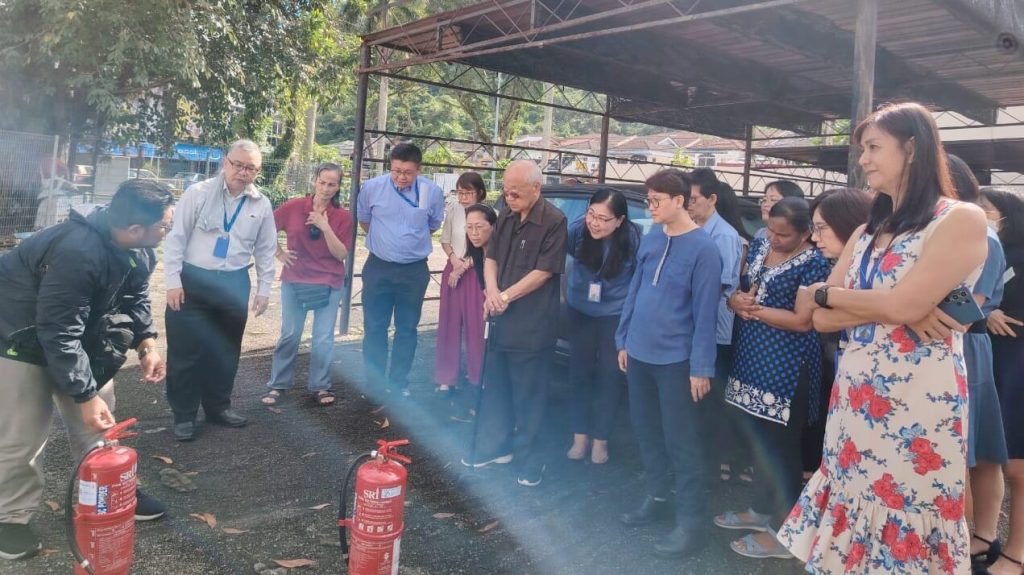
(27, 399)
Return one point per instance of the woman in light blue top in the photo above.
(603, 245)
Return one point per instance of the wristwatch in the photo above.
(143, 351)
(821, 297)
(504, 297)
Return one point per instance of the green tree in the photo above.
(155, 70)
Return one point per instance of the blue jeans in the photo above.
(293, 319)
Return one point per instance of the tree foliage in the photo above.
(154, 70)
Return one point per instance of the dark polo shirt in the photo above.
(538, 243)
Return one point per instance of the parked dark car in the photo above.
(572, 200)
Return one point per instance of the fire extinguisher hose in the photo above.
(69, 505)
(343, 498)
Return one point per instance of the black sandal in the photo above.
(1004, 556)
(989, 556)
(323, 398)
(272, 398)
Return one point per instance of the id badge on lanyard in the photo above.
(220, 247)
(865, 333)
(594, 292)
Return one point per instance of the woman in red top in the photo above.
(319, 235)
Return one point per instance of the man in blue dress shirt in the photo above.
(399, 212)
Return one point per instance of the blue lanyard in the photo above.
(867, 281)
(228, 225)
(405, 199)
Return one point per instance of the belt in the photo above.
(382, 260)
(195, 268)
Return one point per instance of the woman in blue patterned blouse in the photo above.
(776, 376)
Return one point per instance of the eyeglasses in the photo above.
(819, 229)
(603, 219)
(512, 194)
(766, 201)
(404, 173)
(243, 167)
(466, 193)
(653, 202)
(477, 227)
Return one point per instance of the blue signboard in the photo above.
(191, 152)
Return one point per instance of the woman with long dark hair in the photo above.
(603, 244)
(1005, 211)
(889, 496)
(319, 233)
(462, 304)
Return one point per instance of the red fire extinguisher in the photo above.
(101, 526)
(377, 520)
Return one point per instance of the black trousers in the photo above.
(776, 450)
(391, 290)
(667, 424)
(814, 434)
(723, 436)
(594, 376)
(515, 389)
(204, 341)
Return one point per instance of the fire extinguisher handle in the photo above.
(118, 431)
(387, 450)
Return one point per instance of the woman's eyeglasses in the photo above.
(603, 219)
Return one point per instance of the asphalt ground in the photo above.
(267, 484)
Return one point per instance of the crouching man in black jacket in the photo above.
(75, 299)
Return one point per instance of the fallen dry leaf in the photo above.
(53, 505)
(163, 458)
(45, 552)
(207, 518)
(488, 527)
(443, 515)
(233, 531)
(378, 410)
(319, 507)
(386, 424)
(310, 454)
(295, 563)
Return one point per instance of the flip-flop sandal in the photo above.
(747, 546)
(273, 397)
(324, 398)
(732, 520)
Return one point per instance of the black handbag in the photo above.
(312, 296)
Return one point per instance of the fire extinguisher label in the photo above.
(101, 498)
(87, 493)
(390, 492)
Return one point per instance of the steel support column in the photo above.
(602, 161)
(362, 87)
(863, 80)
(748, 152)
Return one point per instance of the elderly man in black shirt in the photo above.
(525, 257)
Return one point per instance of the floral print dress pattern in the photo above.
(889, 496)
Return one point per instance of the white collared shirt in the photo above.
(199, 221)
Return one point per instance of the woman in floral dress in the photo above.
(889, 496)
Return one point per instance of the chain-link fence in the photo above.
(30, 174)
